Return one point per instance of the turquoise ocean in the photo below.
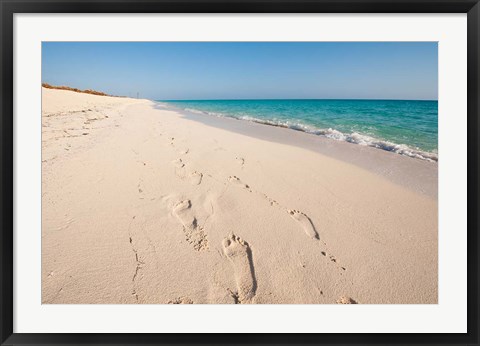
(405, 127)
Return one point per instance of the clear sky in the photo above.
(246, 70)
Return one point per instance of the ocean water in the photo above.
(405, 127)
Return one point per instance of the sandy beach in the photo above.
(144, 204)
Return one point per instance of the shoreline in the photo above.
(354, 137)
(148, 206)
(413, 173)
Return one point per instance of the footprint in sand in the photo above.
(183, 212)
(237, 181)
(179, 168)
(194, 234)
(181, 300)
(240, 255)
(184, 151)
(305, 222)
(270, 200)
(178, 163)
(195, 178)
(240, 160)
(332, 259)
(346, 300)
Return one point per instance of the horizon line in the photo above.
(295, 99)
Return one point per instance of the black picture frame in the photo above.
(9, 7)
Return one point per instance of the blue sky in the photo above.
(246, 70)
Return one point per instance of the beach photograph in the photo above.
(239, 173)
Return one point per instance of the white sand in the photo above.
(144, 205)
